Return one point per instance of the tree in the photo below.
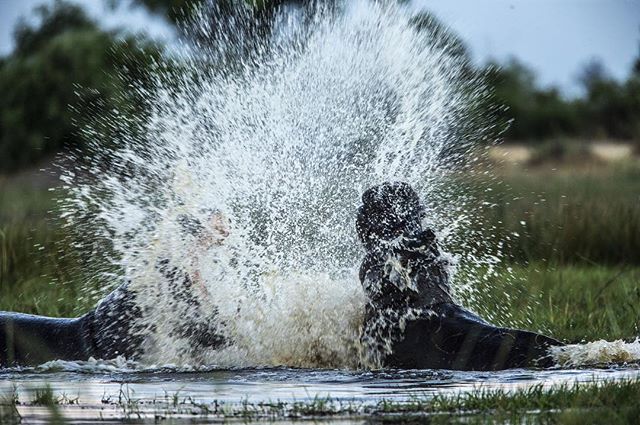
(610, 108)
(171, 9)
(636, 65)
(535, 113)
(176, 10)
(60, 18)
(56, 70)
(593, 74)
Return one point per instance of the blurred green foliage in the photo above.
(173, 10)
(176, 10)
(63, 72)
(609, 108)
(536, 113)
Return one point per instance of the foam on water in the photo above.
(281, 136)
(597, 352)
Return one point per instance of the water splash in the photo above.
(597, 352)
(281, 139)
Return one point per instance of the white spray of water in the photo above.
(597, 352)
(282, 143)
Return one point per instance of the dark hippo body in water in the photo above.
(105, 332)
(450, 337)
(114, 328)
(412, 321)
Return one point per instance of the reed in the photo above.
(588, 216)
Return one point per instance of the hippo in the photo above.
(411, 318)
(106, 332)
(114, 327)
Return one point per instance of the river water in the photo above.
(92, 391)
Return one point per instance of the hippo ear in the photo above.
(369, 197)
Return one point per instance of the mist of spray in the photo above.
(280, 136)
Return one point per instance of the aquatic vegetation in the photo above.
(615, 401)
(619, 399)
(9, 413)
(44, 397)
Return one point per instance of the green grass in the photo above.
(565, 217)
(570, 302)
(39, 272)
(586, 217)
(611, 402)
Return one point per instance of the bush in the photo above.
(610, 109)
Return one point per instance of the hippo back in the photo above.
(26, 339)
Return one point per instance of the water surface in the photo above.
(114, 392)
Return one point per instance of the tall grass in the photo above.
(588, 217)
(573, 303)
(39, 272)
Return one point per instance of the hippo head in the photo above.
(212, 230)
(389, 210)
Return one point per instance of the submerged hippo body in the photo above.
(114, 328)
(26, 339)
(105, 332)
(450, 337)
(412, 321)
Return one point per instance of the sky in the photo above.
(556, 38)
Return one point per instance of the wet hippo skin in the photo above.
(105, 332)
(454, 338)
(412, 320)
(113, 328)
(26, 339)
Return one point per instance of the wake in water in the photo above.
(280, 135)
(597, 352)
